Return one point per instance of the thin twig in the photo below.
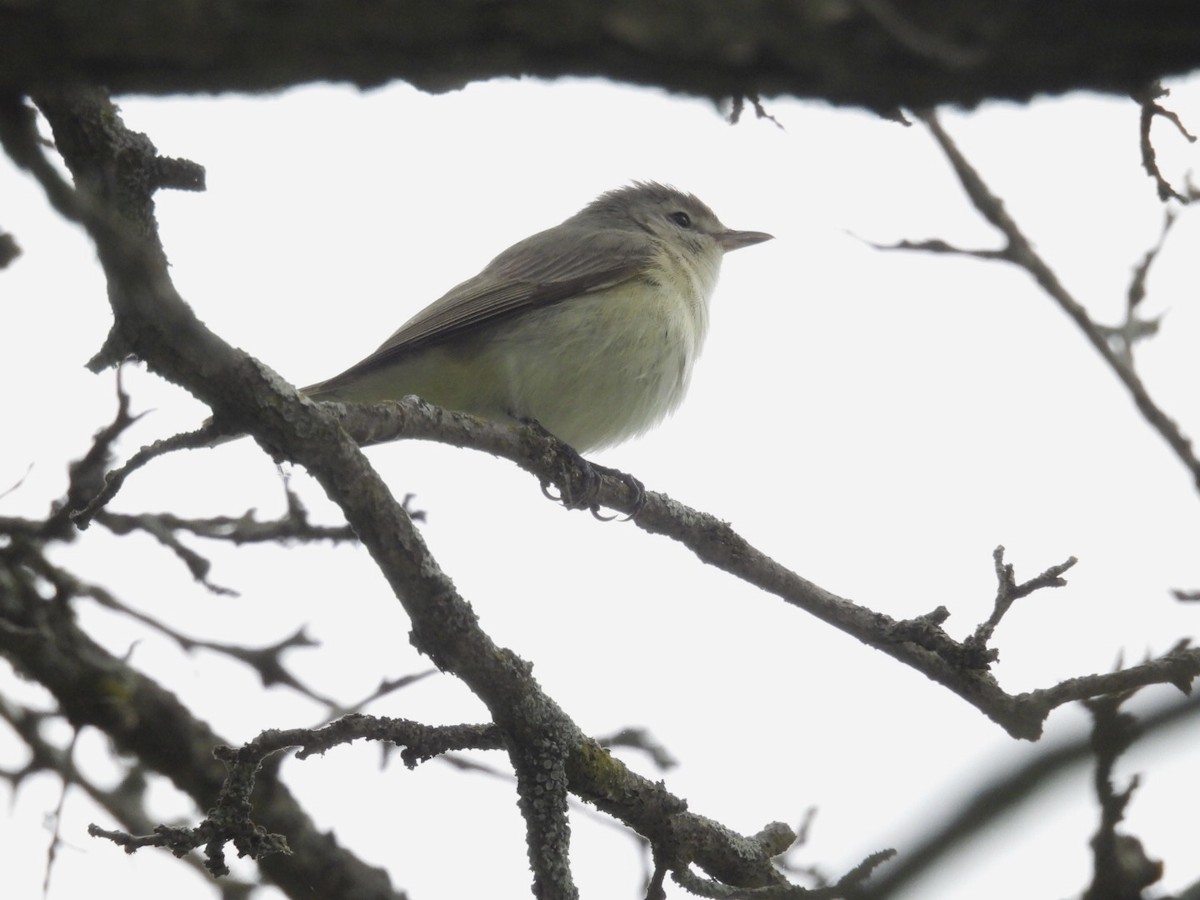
(1020, 252)
(1148, 99)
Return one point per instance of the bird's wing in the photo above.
(547, 268)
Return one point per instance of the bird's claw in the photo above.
(589, 475)
(634, 485)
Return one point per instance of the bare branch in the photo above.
(641, 739)
(1179, 667)
(228, 821)
(1020, 252)
(880, 54)
(1123, 337)
(939, 246)
(1148, 98)
(87, 473)
(125, 802)
(849, 885)
(94, 687)
(266, 661)
(760, 110)
(89, 506)
(920, 642)
(542, 788)
(1121, 867)
(1008, 592)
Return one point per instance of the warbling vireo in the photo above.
(590, 327)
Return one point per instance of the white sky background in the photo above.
(876, 421)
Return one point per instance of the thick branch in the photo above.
(875, 53)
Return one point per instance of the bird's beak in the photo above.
(732, 240)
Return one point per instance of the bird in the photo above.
(589, 328)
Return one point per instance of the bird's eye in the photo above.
(682, 219)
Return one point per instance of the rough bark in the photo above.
(874, 53)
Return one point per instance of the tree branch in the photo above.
(881, 54)
(1020, 252)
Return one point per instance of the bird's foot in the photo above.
(579, 481)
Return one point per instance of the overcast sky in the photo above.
(878, 422)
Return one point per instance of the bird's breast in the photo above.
(605, 366)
